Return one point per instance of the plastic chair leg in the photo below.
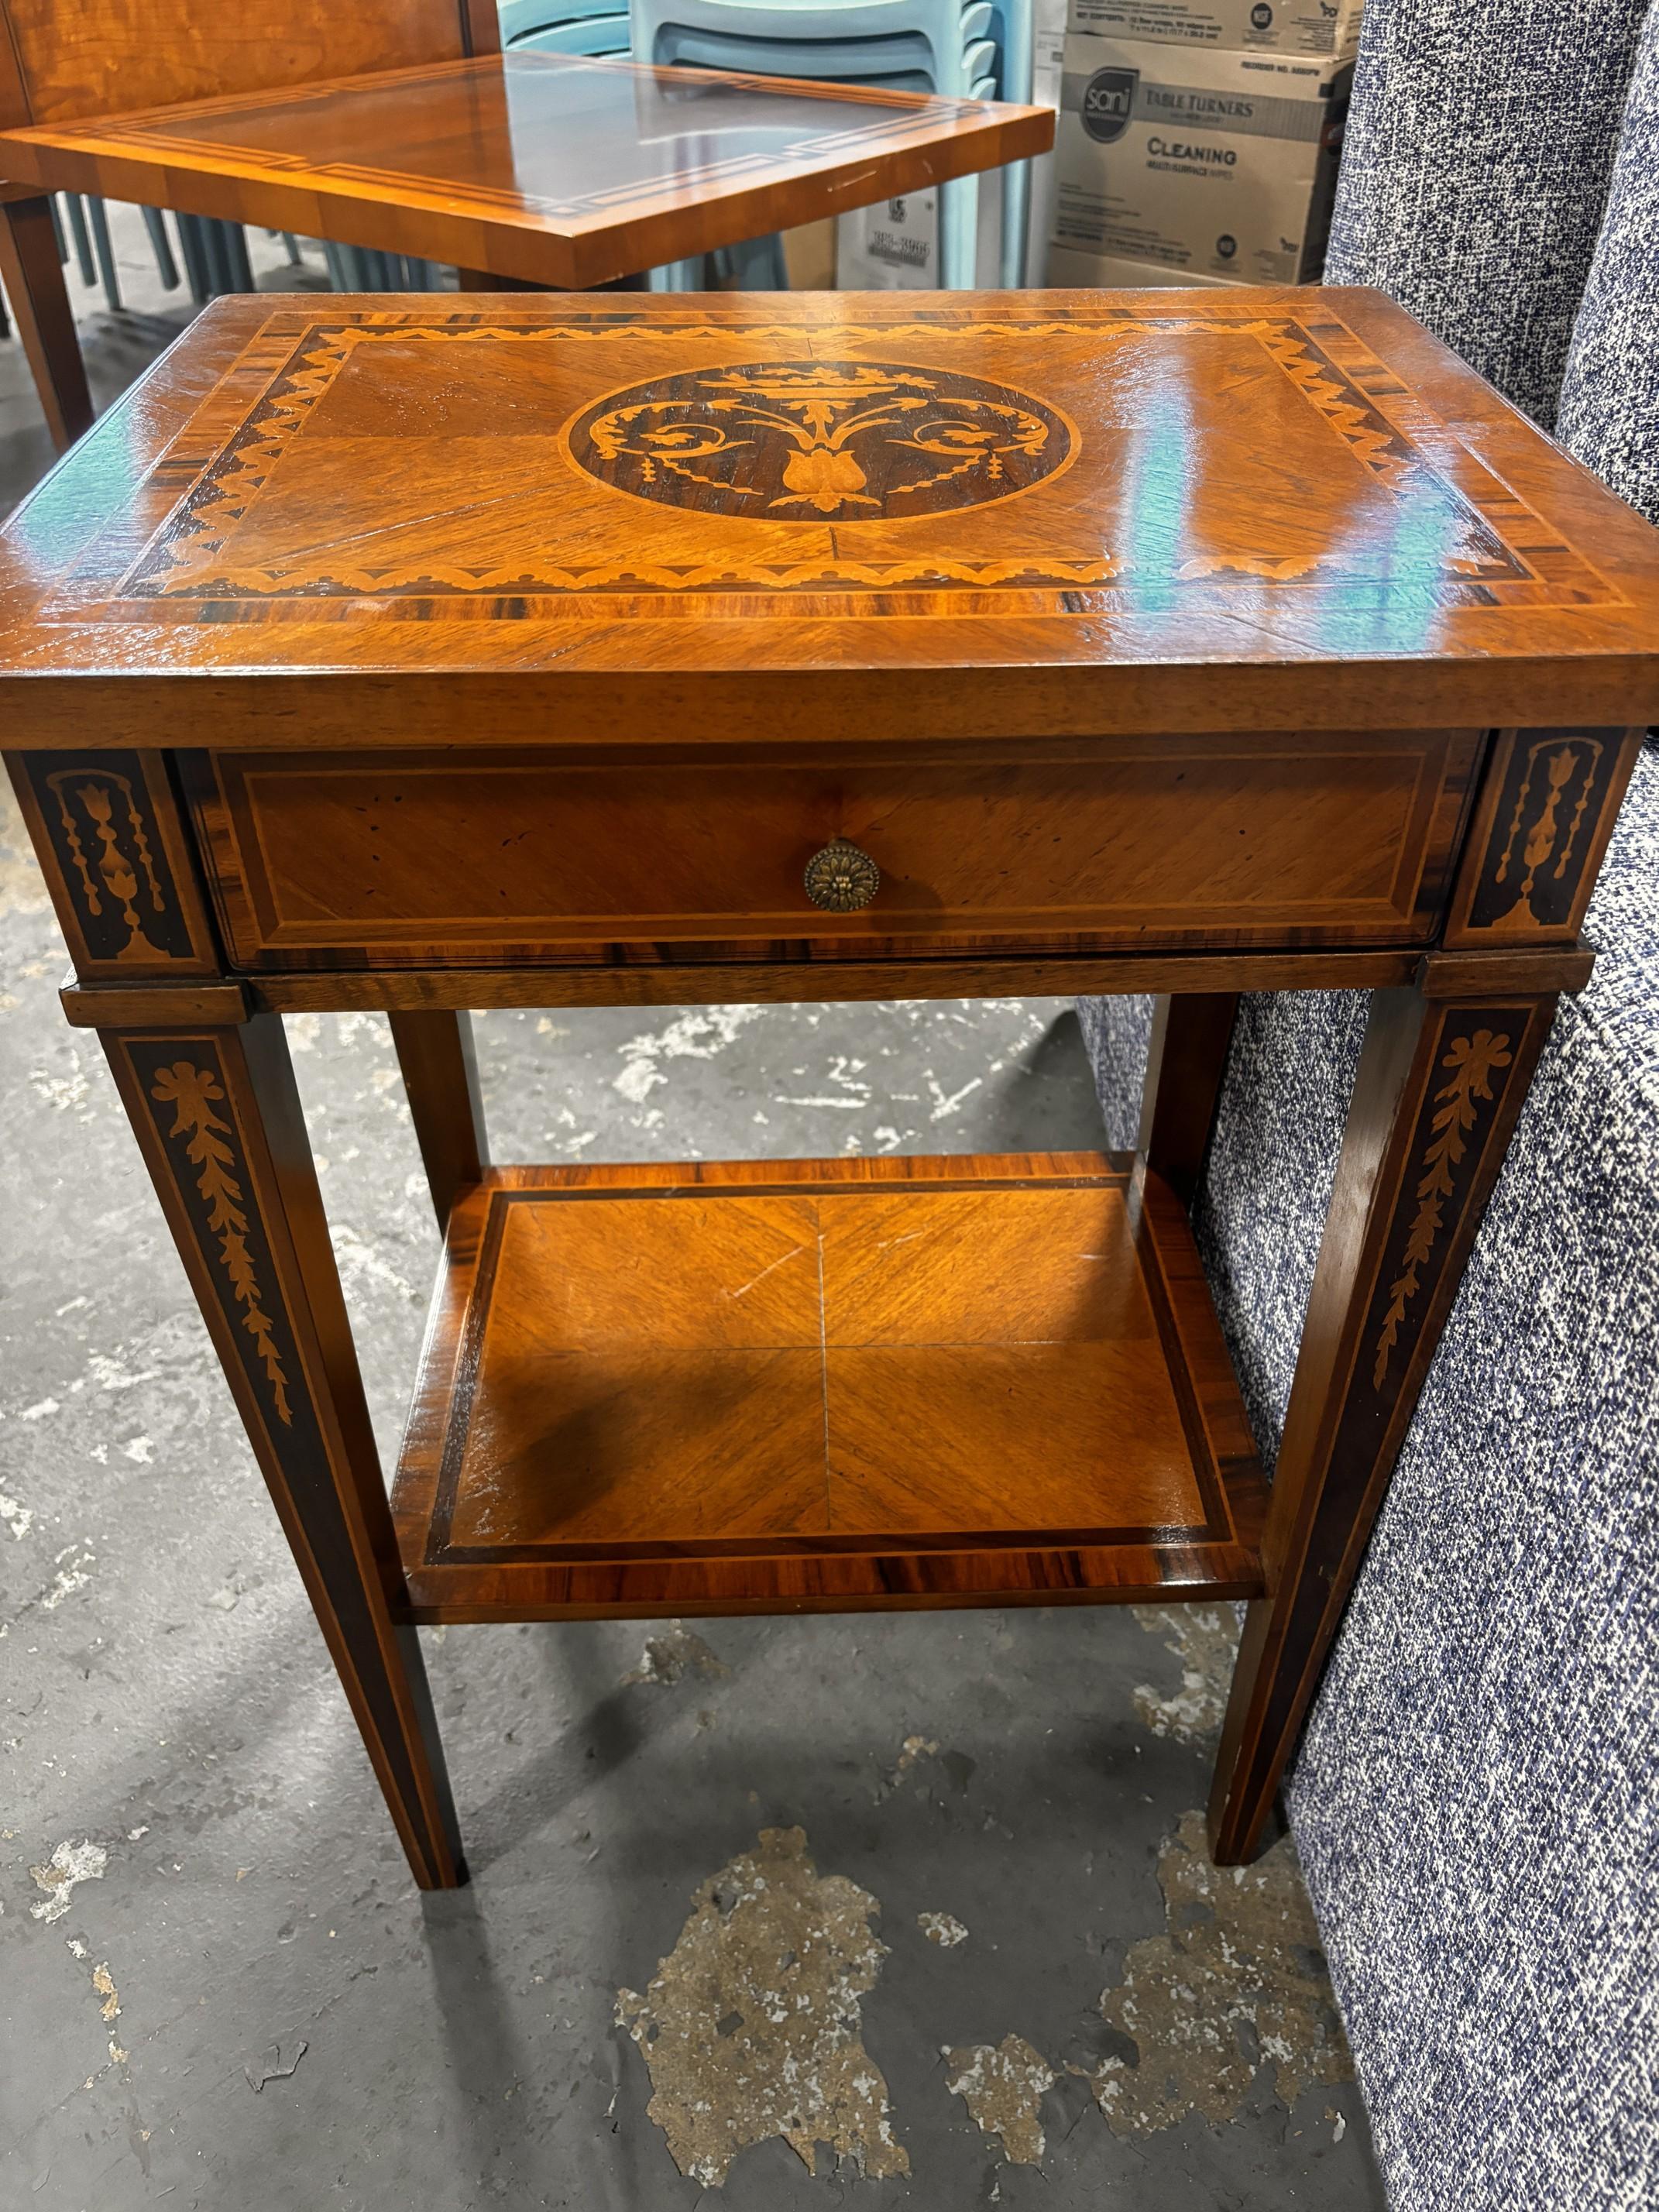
(194, 255)
(166, 267)
(76, 217)
(339, 275)
(213, 252)
(758, 265)
(236, 260)
(1016, 223)
(958, 234)
(98, 217)
(57, 230)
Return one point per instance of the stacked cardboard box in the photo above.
(1320, 29)
(1198, 140)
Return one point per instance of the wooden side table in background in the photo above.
(428, 654)
(398, 124)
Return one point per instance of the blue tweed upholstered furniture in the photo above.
(1476, 1800)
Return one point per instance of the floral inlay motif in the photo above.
(1538, 809)
(1470, 1062)
(109, 811)
(193, 1092)
(797, 439)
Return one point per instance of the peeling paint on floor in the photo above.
(750, 2027)
(69, 1865)
(912, 1752)
(942, 1928)
(674, 1654)
(699, 1034)
(1204, 1637)
(1238, 1981)
(1003, 2086)
(74, 1565)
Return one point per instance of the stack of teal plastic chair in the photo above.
(602, 29)
(597, 27)
(967, 49)
(84, 223)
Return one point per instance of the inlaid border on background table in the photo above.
(491, 163)
(527, 168)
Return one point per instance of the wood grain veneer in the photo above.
(404, 859)
(797, 1362)
(369, 491)
(66, 59)
(545, 168)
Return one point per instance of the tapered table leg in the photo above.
(1441, 1082)
(33, 277)
(441, 1079)
(1186, 1062)
(217, 1116)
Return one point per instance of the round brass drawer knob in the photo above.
(840, 878)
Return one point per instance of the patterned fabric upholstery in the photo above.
(1479, 150)
(1477, 1797)
(1476, 1800)
(1610, 415)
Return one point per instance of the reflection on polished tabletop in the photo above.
(590, 170)
(1149, 509)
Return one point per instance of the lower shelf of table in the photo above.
(822, 1385)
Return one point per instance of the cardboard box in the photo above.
(809, 254)
(1210, 164)
(1319, 29)
(1071, 270)
(891, 247)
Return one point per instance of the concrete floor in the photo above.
(221, 1989)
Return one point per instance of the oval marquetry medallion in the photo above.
(799, 440)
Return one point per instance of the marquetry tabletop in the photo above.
(1058, 510)
(548, 168)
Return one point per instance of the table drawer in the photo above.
(483, 858)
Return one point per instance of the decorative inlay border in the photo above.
(1486, 567)
(1470, 1063)
(902, 116)
(1473, 1054)
(194, 1091)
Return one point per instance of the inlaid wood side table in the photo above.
(425, 655)
(522, 169)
